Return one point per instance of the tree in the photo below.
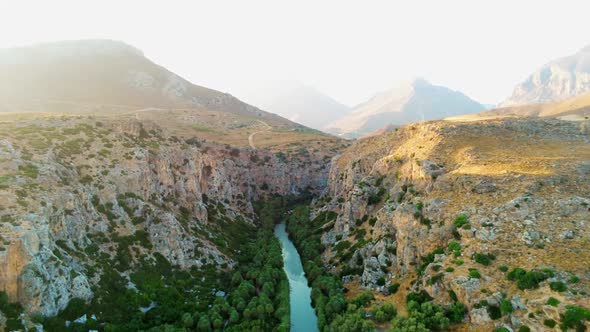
(204, 325)
(187, 320)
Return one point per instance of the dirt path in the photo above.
(251, 137)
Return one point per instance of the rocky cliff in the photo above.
(453, 209)
(81, 192)
(560, 79)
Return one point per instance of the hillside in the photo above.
(576, 109)
(557, 80)
(416, 101)
(103, 76)
(489, 215)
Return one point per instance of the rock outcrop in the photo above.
(439, 206)
(74, 190)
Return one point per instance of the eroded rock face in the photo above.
(408, 190)
(65, 202)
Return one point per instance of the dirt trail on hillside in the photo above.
(251, 137)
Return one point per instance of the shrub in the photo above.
(503, 268)
(494, 311)
(484, 259)
(549, 323)
(381, 281)
(574, 318)
(574, 279)
(460, 220)
(505, 307)
(526, 280)
(450, 269)
(524, 328)
(459, 262)
(474, 273)
(393, 288)
(456, 312)
(558, 286)
(454, 245)
(553, 302)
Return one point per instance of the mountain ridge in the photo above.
(413, 101)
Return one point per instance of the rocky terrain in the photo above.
(560, 79)
(414, 101)
(78, 192)
(491, 214)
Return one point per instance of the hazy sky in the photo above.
(347, 49)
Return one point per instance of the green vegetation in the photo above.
(527, 279)
(334, 312)
(12, 312)
(553, 302)
(484, 259)
(574, 318)
(182, 300)
(558, 286)
(474, 273)
(460, 221)
(549, 323)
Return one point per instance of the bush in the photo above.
(553, 302)
(363, 298)
(460, 220)
(381, 281)
(505, 307)
(494, 312)
(454, 246)
(574, 318)
(550, 323)
(526, 280)
(393, 288)
(474, 273)
(503, 268)
(558, 286)
(524, 328)
(484, 259)
(456, 312)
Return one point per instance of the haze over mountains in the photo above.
(297, 102)
(557, 80)
(102, 72)
(414, 101)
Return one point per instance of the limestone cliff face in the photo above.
(71, 188)
(521, 186)
(560, 79)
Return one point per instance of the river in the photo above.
(303, 317)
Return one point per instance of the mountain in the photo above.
(101, 72)
(298, 102)
(415, 101)
(576, 109)
(557, 80)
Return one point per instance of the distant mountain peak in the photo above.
(557, 80)
(411, 101)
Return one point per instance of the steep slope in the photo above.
(93, 75)
(298, 102)
(82, 196)
(576, 109)
(557, 80)
(416, 101)
(488, 214)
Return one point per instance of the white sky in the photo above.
(347, 49)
